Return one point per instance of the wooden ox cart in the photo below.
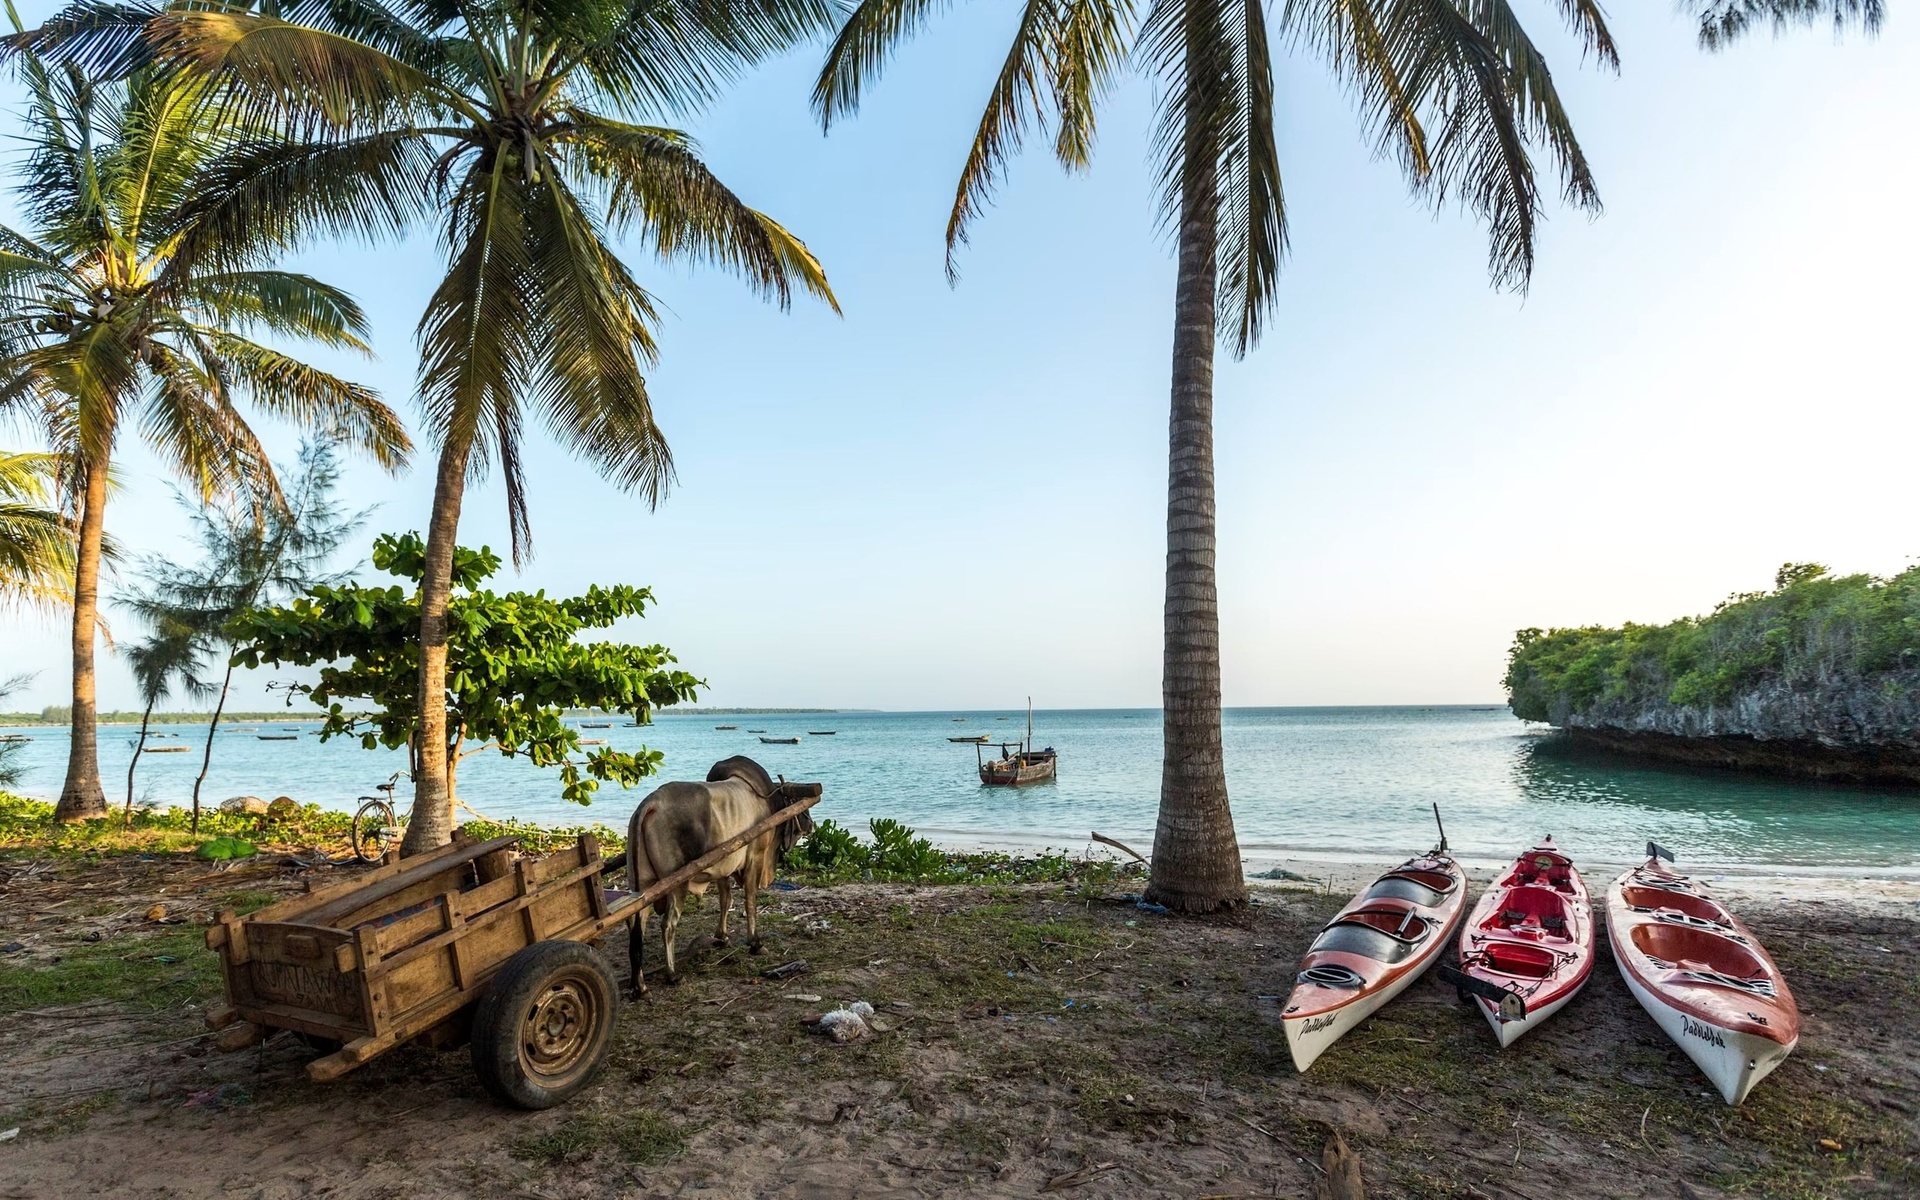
(468, 943)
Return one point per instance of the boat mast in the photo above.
(1029, 745)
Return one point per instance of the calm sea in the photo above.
(1335, 781)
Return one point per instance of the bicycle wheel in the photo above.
(375, 830)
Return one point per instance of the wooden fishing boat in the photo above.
(978, 738)
(1701, 975)
(789, 741)
(822, 732)
(1527, 949)
(167, 749)
(1019, 763)
(726, 727)
(14, 737)
(278, 737)
(593, 741)
(1397, 927)
(596, 724)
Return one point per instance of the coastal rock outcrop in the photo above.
(1864, 731)
(1819, 678)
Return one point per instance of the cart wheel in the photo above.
(541, 1031)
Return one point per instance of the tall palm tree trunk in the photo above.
(1196, 856)
(146, 718)
(81, 796)
(206, 755)
(432, 821)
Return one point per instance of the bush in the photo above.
(833, 854)
(1813, 628)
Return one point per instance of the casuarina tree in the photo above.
(250, 556)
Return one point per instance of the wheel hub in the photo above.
(558, 1027)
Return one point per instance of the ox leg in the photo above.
(636, 930)
(669, 931)
(752, 904)
(725, 892)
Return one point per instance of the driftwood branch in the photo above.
(1118, 845)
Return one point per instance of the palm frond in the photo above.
(285, 387)
(860, 51)
(658, 188)
(282, 301)
(675, 58)
(36, 540)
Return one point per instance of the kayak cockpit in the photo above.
(1660, 900)
(1425, 888)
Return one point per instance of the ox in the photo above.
(679, 822)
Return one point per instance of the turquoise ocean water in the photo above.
(1333, 781)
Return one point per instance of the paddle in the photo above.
(1512, 1005)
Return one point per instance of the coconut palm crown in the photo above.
(512, 125)
(108, 328)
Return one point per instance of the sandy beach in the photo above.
(1033, 1039)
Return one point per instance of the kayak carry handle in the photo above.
(1443, 828)
(1512, 1005)
(1656, 850)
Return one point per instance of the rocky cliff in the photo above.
(1818, 678)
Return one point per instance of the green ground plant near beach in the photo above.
(1812, 628)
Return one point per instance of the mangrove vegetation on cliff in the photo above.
(1818, 677)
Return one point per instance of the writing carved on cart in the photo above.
(304, 987)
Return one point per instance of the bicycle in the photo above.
(376, 828)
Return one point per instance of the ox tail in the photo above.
(641, 871)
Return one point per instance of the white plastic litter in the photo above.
(861, 1009)
(844, 1025)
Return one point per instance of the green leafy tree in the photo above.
(36, 541)
(1457, 93)
(118, 315)
(250, 556)
(512, 125)
(514, 668)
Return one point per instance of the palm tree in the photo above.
(171, 655)
(1723, 22)
(1455, 91)
(511, 125)
(108, 322)
(36, 542)
(250, 558)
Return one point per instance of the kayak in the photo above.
(1531, 938)
(1702, 976)
(1373, 948)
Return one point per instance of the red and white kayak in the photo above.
(1531, 937)
(1702, 976)
(1372, 949)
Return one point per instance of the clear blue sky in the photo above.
(954, 496)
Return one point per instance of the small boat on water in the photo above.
(1019, 763)
(976, 738)
(593, 741)
(726, 727)
(278, 737)
(1701, 975)
(290, 728)
(1397, 927)
(1527, 949)
(822, 732)
(596, 724)
(749, 731)
(789, 741)
(168, 749)
(14, 737)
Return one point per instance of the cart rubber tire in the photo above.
(542, 1030)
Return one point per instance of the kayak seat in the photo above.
(1647, 899)
(1508, 958)
(1415, 887)
(1537, 904)
(1699, 952)
(1383, 935)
